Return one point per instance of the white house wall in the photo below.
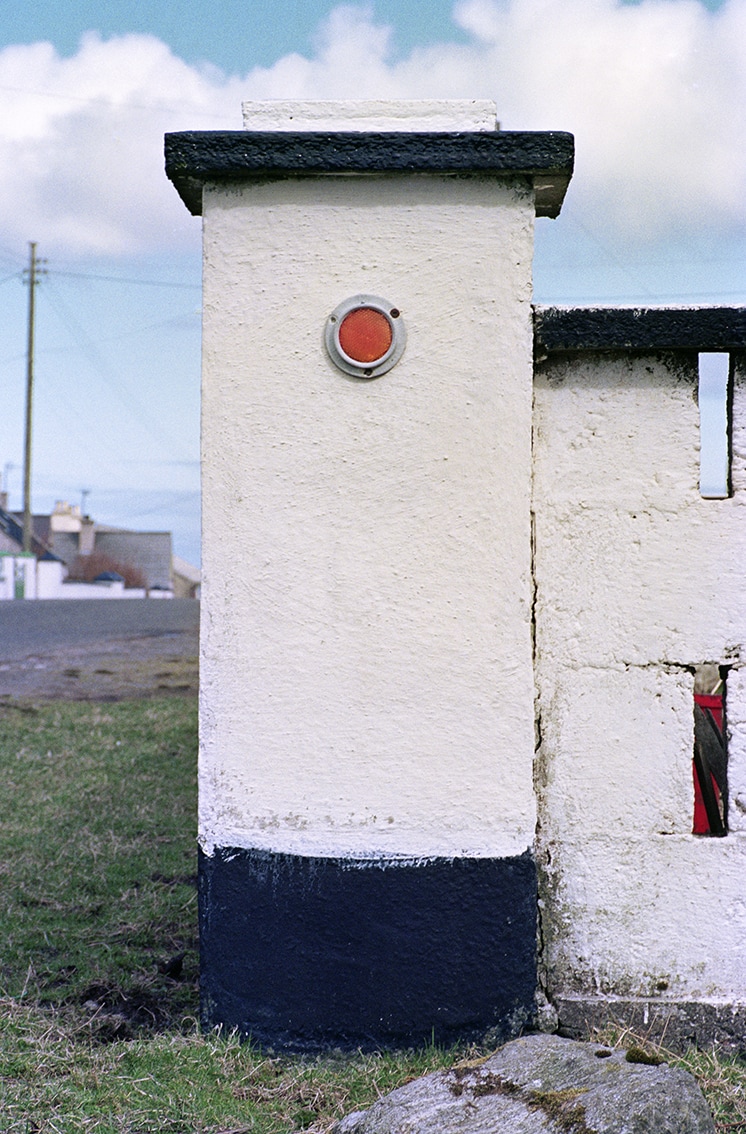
(638, 580)
(49, 578)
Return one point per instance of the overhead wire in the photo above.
(113, 380)
(178, 503)
(171, 502)
(104, 371)
(630, 269)
(128, 280)
(98, 100)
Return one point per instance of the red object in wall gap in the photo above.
(714, 703)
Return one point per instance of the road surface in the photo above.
(30, 627)
(98, 649)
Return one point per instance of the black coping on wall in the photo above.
(639, 328)
(305, 953)
(195, 157)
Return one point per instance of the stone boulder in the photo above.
(543, 1085)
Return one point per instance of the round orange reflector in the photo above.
(365, 334)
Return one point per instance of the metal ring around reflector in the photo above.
(380, 365)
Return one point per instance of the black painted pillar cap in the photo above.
(544, 158)
(574, 329)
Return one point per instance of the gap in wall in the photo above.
(710, 762)
(714, 426)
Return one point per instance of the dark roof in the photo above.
(12, 525)
(40, 524)
(544, 157)
(640, 328)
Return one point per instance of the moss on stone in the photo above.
(639, 1055)
(561, 1106)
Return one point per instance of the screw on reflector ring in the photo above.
(365, 336)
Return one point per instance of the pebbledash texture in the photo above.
(454, 597)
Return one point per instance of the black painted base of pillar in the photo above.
(306, 953)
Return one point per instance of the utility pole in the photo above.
(31, 277)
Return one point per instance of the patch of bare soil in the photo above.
(165, 1000)
(115, 670)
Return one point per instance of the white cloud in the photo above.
(655, 93)
(81, 142)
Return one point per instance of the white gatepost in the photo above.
(367, 812)
(17, 575)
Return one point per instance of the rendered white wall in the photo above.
(49, 578)
(366, 655)
(638, 580)
(112, 590)
(371, 115)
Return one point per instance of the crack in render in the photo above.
(539, 775)
(732, 661)
(539, 770)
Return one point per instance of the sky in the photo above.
(653, 90)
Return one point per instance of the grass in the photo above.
(98, 956)
(171, 1083)
(98, 858)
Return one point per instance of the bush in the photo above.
(86, 568)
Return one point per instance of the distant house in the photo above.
(73, 537)
(85, 554)
(24, 574)
(149, 552)
(11, 536)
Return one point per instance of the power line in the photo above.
(98, 100)
(182, 322)
(10, 255)
(127, 280)
(106, 373)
